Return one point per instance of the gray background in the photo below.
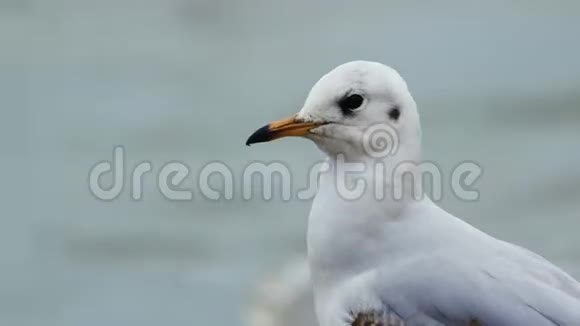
(496, 83)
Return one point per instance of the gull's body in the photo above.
(403, 257)
(425, 265)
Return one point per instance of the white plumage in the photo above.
(406, 256)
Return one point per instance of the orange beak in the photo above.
(282, 128)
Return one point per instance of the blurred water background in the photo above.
(496, 82)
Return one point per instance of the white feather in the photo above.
(409, 257)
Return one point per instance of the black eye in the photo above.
(350, 103)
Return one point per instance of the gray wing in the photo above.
(522, 289)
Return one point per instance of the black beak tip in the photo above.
(259, 136)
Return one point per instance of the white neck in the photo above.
(346, 230)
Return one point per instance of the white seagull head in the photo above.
(347, 106)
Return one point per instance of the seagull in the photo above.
(403, 260)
